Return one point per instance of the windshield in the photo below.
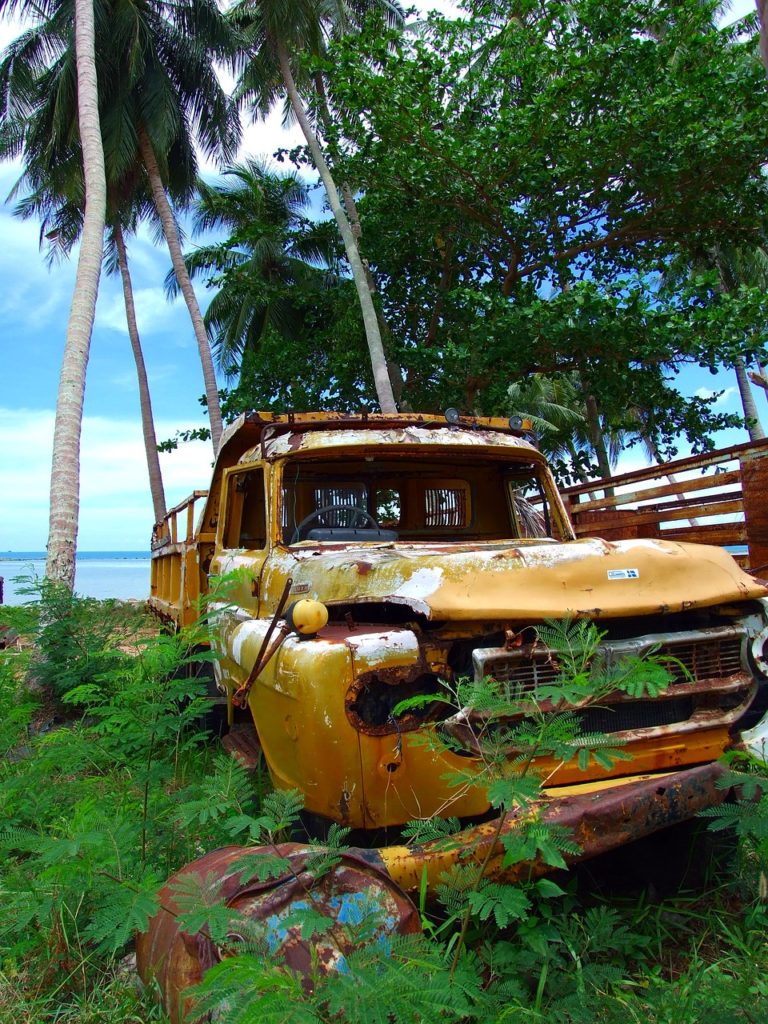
(451, 497)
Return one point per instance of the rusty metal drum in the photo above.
(355, 891)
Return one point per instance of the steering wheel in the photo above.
(361, 513)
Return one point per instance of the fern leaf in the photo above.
(505, 902)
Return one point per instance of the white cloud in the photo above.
(30, 290)
(723, 397)
(10, 28)
(154, 312)
(115, 507)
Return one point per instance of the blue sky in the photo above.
(116, 512)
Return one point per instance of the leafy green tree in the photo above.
(277, 37)
(545, 162)
(732, 267)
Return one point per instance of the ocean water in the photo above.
(101, 574)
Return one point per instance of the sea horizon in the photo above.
(16, 556)
(123, 575)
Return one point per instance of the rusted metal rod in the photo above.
(240, 696)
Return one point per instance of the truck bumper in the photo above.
(600, 817)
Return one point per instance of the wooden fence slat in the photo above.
(715, 533)
(701, 499)
(669, 515)
(681, 487)
(677, 466)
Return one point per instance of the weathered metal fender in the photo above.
(353, 892)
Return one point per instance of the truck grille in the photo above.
(636, 714)
(714, 654)
(707, 674)
(704, 659)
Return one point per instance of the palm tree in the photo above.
(276, 35)
(762, 12)
(553, 404)
(163, 95)
(65, 470)
(272, 260)
(158, 96)
(561, 407)
(119, 258)
(568, 419)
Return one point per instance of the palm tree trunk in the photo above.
(596, 437)
(353, 216)
(760, 378)
(171, 233)
(65, 471)
(147, 420)
(762, 10)
(370, 321)
(654, 451)
(751, 416)
(395, 373)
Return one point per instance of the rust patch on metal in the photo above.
(363, 568)
(242, 742)
(372, 697)
(356, 889)
(598, 821)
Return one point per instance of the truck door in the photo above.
(242, 541)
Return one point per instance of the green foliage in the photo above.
(546, 162)
(747, 817)
(77, 640)
(200, 906)
(94, 798)
(98, 810)
(411, 982)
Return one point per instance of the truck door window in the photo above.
(528, 506)
(246, 525)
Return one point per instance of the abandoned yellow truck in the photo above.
(377, 558)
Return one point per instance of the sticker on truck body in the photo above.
(623, 574)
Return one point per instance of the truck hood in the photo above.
(590, 577)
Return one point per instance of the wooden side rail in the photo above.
(177, 575)
(167, 531)
(718, 497)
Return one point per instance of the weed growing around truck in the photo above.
(108, 785)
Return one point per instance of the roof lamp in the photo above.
(452, 415)
(516, 422)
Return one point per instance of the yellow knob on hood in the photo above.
(307, 616)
